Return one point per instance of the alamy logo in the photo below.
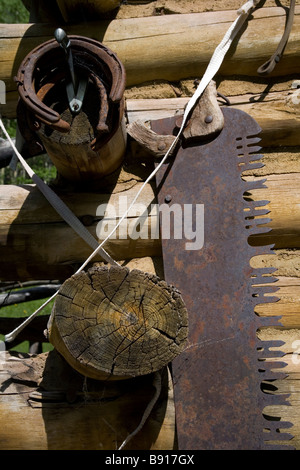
(167, 221)
(2, 92)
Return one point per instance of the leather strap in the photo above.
(269, 66)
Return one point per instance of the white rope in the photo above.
(157, 385)
(212, 69)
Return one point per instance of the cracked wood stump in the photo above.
(113, 323)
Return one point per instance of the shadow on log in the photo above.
(46, 405)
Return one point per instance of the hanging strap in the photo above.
(269, 66)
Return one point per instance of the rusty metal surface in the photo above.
(44, 68)
(218, 378)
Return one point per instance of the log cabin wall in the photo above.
(162, 59)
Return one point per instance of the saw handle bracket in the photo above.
(206, 122)
(207, 119)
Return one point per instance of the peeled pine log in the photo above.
(47, 405)
(36, 244)
(162, 47)
(113, 323)
(288, 305)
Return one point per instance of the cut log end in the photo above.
(113, 323)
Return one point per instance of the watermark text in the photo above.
(165, 221)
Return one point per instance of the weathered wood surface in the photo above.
(115, 323)
(43, 410)
(162, 47)
(275, 106)
(73, 154)
(289, 384)
(54, 248)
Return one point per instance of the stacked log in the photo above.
(162, 47)
(160, 50)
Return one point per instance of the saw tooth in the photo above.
(262, 276)
(262, 202)
(257, 184)
(255, 228)
(269, 370)
(248, 140)
(264, 289)
(252, 212)
(251, 149)
(269, 322)
(253, 139)
(264, 250)
(259, 294)
(273, 433)
(276, 399)
(279, 446)
(263, 280)
(261, 221)
(254, 157)
(270, 375)
(276, 425)
(265, 352)
(263, 272)
(260, 298)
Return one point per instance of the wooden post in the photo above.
(73, 155)
(116, 323)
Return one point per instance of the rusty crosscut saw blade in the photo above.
(219, 400)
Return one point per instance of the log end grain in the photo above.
(113, 323)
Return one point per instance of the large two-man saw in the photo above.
(218, 379)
